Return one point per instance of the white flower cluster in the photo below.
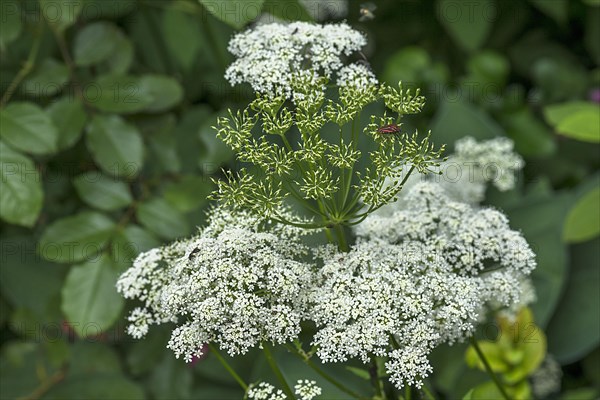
(421, 274)
(304, 390)
(356, 75)
(270, 56)
(417, 277)
(307, 390)
(474, 164)
(234, 284)
(264, 391)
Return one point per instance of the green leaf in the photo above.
(493, 353)
(189, 193)
(10, 28)
(532, 138)
(236, 13)
(488, 68)
(468, 23)
(585, 393)
(95, 43)
(28, 281)
(130, 242)
(115, 145)
(288, 10)
(189, 143)
(163, 219)
(583, 220)
(89, 297)
(26, 127)
(61, 14)
(145, 354)
(160, 135)
(407, 65)
(533, 346)
(122, 94)
(177, 25)
(126, 94)
(485, 391)
(558, 10)
(360, 372)
(76, 238)
(21, 196)
(122, 56)
(164, 91)
(95, 9)
(554, 69)
(456, 119)
(89, 359)
(540, 215)
(142, 27)
(573, 331)
(171, 379)
(19, 369)
(102, 192)
(454, 377)
(557, 113)
(105, 387)
(47, 80)
(69, 117)
(558, 78)
(583, 125)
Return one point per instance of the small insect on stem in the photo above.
(391, 128)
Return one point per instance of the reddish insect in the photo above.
(391, 128)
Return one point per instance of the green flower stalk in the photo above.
(289, 155)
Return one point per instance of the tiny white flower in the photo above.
(268, 56)
(307, 390)
(265, 391)
(356, 75)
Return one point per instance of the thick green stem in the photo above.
(341, 235)
(488, 369)
(375, 380)
(329, 235)
(348, 180)
(273, 364)
(226, 365)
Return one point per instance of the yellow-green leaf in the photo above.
(583, 220)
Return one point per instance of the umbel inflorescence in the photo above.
(300, 138)
(427, 264)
